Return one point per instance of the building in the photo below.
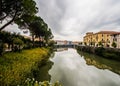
(115, 38)
(27, 37)
(61, 42)
(88, 38)
(102, 38)
(77, 43)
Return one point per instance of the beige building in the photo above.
(115, 38)
(88, 38)
(102, 38)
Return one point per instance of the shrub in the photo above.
(18, 44)
(99, 51)
(114, 45)
(2, 47)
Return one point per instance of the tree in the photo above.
(12, 40)
(15, 10)
(40, 29)
(100, 44)
(17, 44)
(1, 47)
(114, 44)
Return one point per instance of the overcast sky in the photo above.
(71, 19)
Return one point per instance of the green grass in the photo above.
(14, 67)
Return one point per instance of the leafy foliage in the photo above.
(1, 47)
(23, 13)
(114, 45)
(40, 29)
(13, 41)
(18, 44)
(16, 9)
(100, 44)
(16, 67)
(108, 53)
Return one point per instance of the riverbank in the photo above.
(109, 53)
(15, 68)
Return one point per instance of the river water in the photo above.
(73, 69)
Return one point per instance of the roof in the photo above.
(118, 33)
(107, 32)
(89, 33)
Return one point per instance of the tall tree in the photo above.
(14, 10)
(40, 29)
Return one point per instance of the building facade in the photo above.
(115, 38)
(88, 38)
(102, 38)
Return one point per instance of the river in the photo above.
(73, 69)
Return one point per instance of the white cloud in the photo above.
(13, 28)
(71, 19)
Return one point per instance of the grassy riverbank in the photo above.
(16, 67)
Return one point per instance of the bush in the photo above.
(2, 47)
(109, 53)
(28, 45)
(99, 51)
(18, 44)
(114, 45)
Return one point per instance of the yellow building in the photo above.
(101, 38)
(88, 38)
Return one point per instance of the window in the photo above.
(102, 40)
(102, 35)
(114, 39)
(108, 41)
(97, 38)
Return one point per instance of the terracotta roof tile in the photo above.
(107, 32)
(118, 33)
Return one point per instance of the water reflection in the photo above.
(71, 70)
(101, 62)
(42, 74)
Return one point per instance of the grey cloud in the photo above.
(52, 12)
(71, 19)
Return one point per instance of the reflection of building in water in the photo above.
(90, 61)
(101, 63)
